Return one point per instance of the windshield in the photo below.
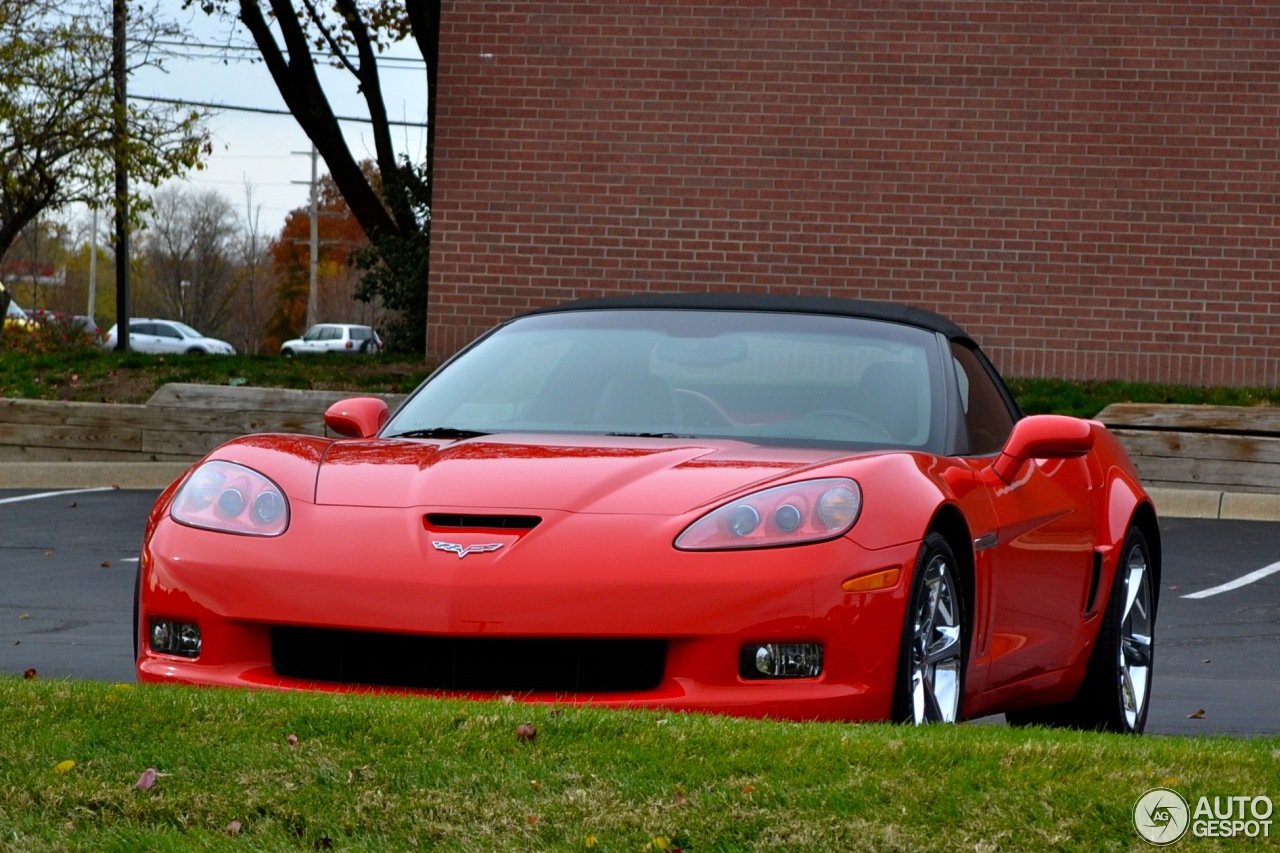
(754, 376)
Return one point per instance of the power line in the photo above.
(155, 99)
(386, 63)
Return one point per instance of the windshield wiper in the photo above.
(647, 435)
(439, 432)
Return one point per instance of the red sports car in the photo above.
(812, 509)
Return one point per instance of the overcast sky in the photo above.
(259, 147)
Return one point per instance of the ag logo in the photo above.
(1161, 816)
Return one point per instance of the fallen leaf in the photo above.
(748, 789)
(681, 799)
(589, 842)
(72, 505)
(63, 766)
(1206, 660)
(1198, 715)
(233, 828)
(292, 740)
(532, 819)
(537, 785)
(526, 732)
(29, 674)
(106, 564)
(49, 553)
(147, 780)
(23, 616)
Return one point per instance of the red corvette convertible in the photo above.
(798, 508)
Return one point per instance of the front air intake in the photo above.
(505, 665)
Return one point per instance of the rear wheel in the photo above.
(1116, 693)
(930, 684)
(287, 353)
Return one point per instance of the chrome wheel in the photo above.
(936, 663)
(1137, 620)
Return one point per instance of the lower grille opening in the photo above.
(510, 665)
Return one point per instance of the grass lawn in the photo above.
(251, 770)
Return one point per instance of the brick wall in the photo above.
(1089, 187)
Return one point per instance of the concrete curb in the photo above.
(89, 475)
(1170, 503)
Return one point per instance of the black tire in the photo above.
(1116, 693)
(287, 353)
(932, 656)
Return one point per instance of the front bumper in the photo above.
(358, 599)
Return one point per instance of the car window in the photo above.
(756, 376)
(142, 329)
(987, 416)
(360, 333)
(164, 330)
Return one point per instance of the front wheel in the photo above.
(930, 683)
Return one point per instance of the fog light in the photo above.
(780, 660)
(175, 638)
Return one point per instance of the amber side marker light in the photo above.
(876, 580)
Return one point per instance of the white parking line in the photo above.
(54, 494)
(1237, 583)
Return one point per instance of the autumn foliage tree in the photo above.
(341, 239)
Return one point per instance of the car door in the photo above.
(1039, 558)
(169, 339)
(143, 338)
(312, 341)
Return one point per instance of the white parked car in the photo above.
(167, 336)
(333, 337)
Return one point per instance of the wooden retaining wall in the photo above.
(1223, 448)
(180, 423)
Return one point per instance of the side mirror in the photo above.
(358, 417)
(1042, 437)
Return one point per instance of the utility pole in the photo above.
(315, 235)
(120, 134)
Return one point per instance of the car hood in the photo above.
(586, 474)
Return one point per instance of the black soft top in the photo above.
(887, 311)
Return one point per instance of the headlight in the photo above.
(231, 498)
(784, 515)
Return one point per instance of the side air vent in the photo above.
(1095, 581)
(460, 521)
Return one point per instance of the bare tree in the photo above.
(189, 254)
(254, 288)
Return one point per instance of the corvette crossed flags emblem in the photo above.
(462, 551)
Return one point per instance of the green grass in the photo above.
(395, 773)
(109, 377)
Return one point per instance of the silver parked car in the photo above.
(333, 337)
(167, 336)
